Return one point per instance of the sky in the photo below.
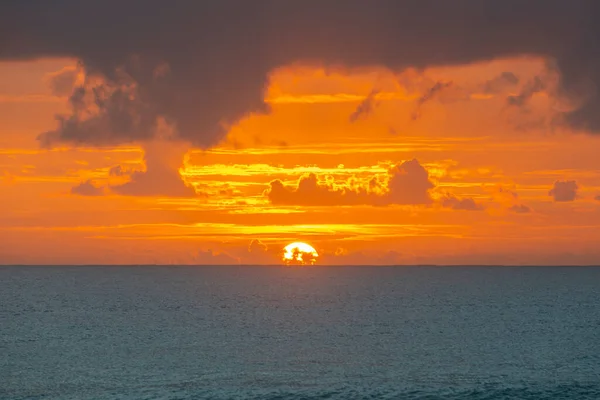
(380, 133)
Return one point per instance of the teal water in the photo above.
(299, 333)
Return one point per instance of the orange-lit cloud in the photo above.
(456, 203)
(88, 188)
(406, 183)
(564, 191)
(509, 200)
(161, 176)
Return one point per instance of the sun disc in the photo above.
(299, 253)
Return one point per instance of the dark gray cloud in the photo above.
(563, 191)
(503, 81)
(429, 94)
(532, 87)
(365, 107)
(201, 65)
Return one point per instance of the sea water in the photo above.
(249, 332)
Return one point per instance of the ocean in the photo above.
(247, 332)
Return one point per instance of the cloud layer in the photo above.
(203, 65)
(407, 183)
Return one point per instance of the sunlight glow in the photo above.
(299, 253)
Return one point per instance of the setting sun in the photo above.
(299, 253)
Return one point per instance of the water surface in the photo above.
(299, 333)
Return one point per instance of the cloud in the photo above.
(61, 82)
(457, 203)
(311, 192)
(429, 94)
(106, 114)
(564, 191)
(203, 65)
(365, 108)
(520, 209)
(532, 87)
(87, 188)
(213, 257)
(256, 246)
(500, 83)
(407, 184)
(259, 253)
(509, 200)
(161, 177)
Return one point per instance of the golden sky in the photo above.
(456, 165)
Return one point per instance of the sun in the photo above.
(299, 253)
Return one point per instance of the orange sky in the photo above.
(368, 166)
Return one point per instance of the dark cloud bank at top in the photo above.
(199, 65)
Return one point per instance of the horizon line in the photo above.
(304, 266)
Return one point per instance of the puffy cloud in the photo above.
(108, 113)
(161, 177)
(365, 107)
(204, 64)
(87, 188)
(408, 184)
(311, 192)
(257, 246)
(563, 191)
(457, 203)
